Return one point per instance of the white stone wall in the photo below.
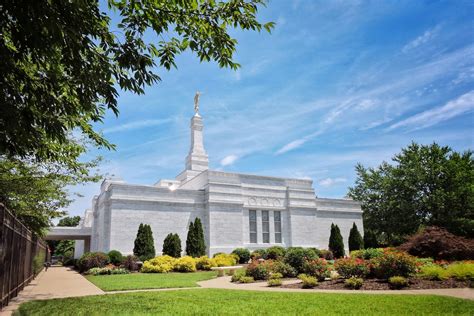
(222, 201)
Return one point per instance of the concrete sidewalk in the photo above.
(224, 283)
(57, 282)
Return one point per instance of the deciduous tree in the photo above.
(63, 62)
(426, 185)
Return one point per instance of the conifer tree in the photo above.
(191, 241)
(336, 243)
(199, 236)
(144, 244)
(370, 239)
(355, 239)
(172, 245)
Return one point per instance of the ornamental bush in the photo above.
(336, 243)
(107, 271)
(318, 268)
(275, 253)
(259, 270)
(258, 254)
(239, 274)
(225, 260)
(394, 263)
(205, 263)
(161, 264)
(246, 279)
(308, 282)
(354, 283)
(351, 267)
(185, 264)
(91, 260)
(326, 254)
(243, 254)
(439, 244)
(274, 282)
(284, 269)
(297, 256)
(398, 282)
(115, 257)
(461, 271)
(130, 263)
(367, 254)
(276, 275)
(433, 272)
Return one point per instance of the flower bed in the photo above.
(384, 269)
(381, 284)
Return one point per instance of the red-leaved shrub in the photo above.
(439, 244)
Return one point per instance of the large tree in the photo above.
(425, 185)
(63, 62)
(36, 192)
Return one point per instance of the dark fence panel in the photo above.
(22, 256)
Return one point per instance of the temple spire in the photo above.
(197, 159)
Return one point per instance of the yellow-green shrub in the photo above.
(461, 271)
(434, 272)
(205, 263)
(185, 264)
(161, 264)
(225, 260)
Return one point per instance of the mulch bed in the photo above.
(376, 284)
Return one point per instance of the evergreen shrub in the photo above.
(243, 254)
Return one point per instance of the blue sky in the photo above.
(336, 83)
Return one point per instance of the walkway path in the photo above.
(224, 283)
(57, 282)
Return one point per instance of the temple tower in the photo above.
(197, 159)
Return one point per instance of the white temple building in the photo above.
(237, 210)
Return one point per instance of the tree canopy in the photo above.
(63, 62)
(37, 192)
(426, 185)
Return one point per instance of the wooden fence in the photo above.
(22, 256)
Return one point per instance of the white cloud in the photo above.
(427, 36)
(453, 108)
(135, 125)
(229, 160)
(292, 145)
(331, 181)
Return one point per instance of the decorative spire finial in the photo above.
(196, 102)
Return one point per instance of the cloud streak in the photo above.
(453, 108)
(135, 125)
(229, 160)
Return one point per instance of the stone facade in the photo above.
(283, 211)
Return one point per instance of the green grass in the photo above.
(136, 281)
(232, 302)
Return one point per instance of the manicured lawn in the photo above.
(226, 302)
(135, 281)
